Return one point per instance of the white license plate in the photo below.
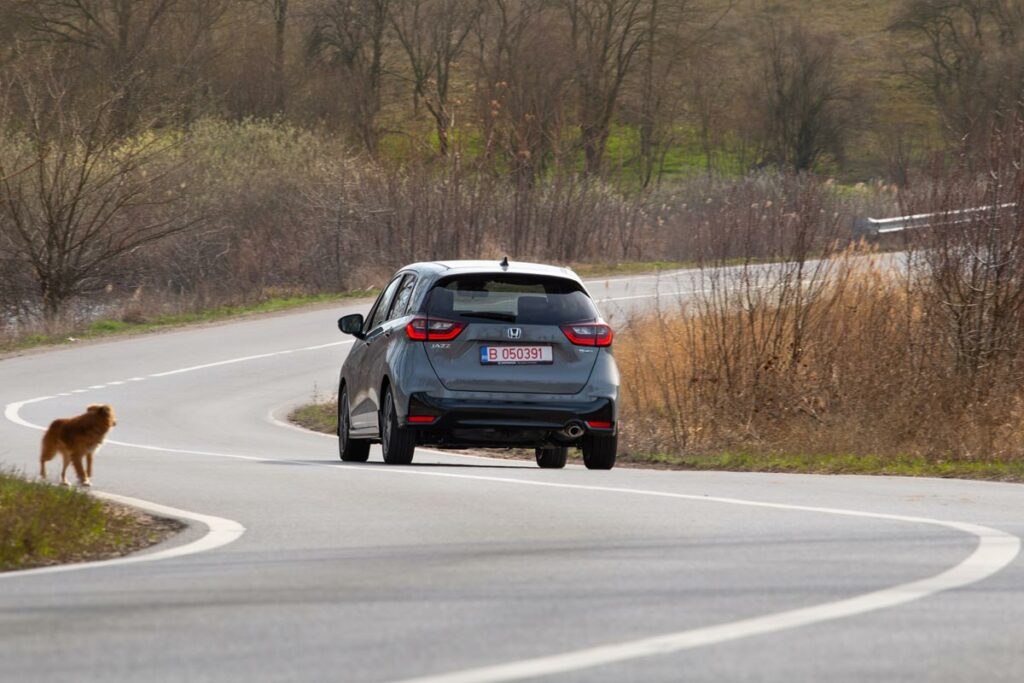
(515, 355)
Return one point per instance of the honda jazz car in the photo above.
(478, 354)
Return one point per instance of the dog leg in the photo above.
(64, 472)
(49, 450)
(88, 464)
(76, 460)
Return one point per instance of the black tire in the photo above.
(551, 458)
(349, 450)
(599, 451)
(398, 444)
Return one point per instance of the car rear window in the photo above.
(522, 299)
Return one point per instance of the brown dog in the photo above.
(77, 438)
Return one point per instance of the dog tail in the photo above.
(49, 450)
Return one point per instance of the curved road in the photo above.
(460, 568)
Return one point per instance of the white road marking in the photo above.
(663, 274)
(638, 296)
(995, 551)
(220, 531)
(243, 359)
(677, 293)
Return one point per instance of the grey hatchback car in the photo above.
(470, 354)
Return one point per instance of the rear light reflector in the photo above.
(599, 424)
(588, 334)
(422, 419)
(433, 329)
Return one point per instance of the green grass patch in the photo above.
(322, 416)
(627, 267)
(317, 416)
(41, 524)
(112, 327)
(597, 270)
(903, 466)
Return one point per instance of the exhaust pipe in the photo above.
(574, 430)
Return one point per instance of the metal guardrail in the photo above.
(876, 227)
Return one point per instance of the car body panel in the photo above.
(458, 365)
(496, 405)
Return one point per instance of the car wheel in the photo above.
(599, 451)
(552, 458)
(349, 450)
(398, 444)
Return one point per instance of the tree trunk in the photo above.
(648, 106)
(280, 25)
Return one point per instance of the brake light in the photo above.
(433, 329)
(599, 424)
(422, 419)
(588, 334)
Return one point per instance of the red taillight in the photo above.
(599, 424)
(422, 419)
(588, 334)
(433, 329)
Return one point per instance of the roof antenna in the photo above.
(504, 262)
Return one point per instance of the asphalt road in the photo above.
(466, 568)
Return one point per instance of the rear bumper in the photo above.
(467, 422)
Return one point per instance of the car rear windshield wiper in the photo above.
(492, 315)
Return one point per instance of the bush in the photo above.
(918, 353)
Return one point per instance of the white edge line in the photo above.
(995, 550)
(220, 532)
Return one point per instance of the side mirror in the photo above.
(352, 324)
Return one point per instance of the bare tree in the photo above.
(279, 12)
(969, 55)
(120, 32)
(190, 51)
(707, 95)
(605, 36)
(348, 35)
(89, 197)
(677, 69)
(800, 100)
(432, 34)
(522, 85)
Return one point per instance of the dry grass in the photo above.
(858, 361)
(43, 525)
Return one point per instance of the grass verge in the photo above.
(591, 270)
(823, 463)
(317, 416)
(322, 416)
(111, 327)
(43, 525)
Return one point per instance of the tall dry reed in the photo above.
(847, 351)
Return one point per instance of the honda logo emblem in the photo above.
(514, 332)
